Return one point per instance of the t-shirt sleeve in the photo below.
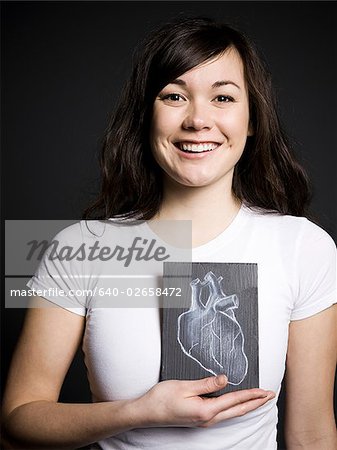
(316, 269)
(59, 278)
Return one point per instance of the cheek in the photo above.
(159, 132)
(237, 123)
(165, 123)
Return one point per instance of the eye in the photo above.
(224, 99)
(173, 97)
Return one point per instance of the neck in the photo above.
(210, 208)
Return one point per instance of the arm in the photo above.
(33, 418)
(311, 363)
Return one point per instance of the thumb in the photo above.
(207, 385)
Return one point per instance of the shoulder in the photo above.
(81, 231)
(291, 228)
(68, 233)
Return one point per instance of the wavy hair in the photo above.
(267, 175)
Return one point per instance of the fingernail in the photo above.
(221, 379)
(265, 394)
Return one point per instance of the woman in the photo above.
(196, 136)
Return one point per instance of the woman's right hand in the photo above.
(180, 403)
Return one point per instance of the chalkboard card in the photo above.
(213, 328)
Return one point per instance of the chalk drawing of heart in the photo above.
(209, 332)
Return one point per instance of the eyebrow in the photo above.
(215, 85)
(224, 83)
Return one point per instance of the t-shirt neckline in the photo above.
(227, 234)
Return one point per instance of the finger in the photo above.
(237, 398)
(241, 409)
(206, 385)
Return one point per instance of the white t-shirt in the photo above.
(296, 263)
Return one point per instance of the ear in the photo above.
(250, 129)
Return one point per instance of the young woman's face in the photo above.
(200, 122)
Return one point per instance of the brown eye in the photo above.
(224, 99)
(173, 97)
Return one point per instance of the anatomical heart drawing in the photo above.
(214, 329)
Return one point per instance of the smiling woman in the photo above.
(200, 117)
(195, 137)
(197, 82)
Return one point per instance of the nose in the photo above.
(197, 117)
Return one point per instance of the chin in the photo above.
(191, 179)
(194, 182)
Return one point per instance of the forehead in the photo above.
(227, 66)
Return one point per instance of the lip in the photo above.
(194, 142)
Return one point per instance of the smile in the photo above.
(193, 147)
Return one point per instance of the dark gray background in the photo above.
(63, 65)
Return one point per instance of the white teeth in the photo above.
(198, 147)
